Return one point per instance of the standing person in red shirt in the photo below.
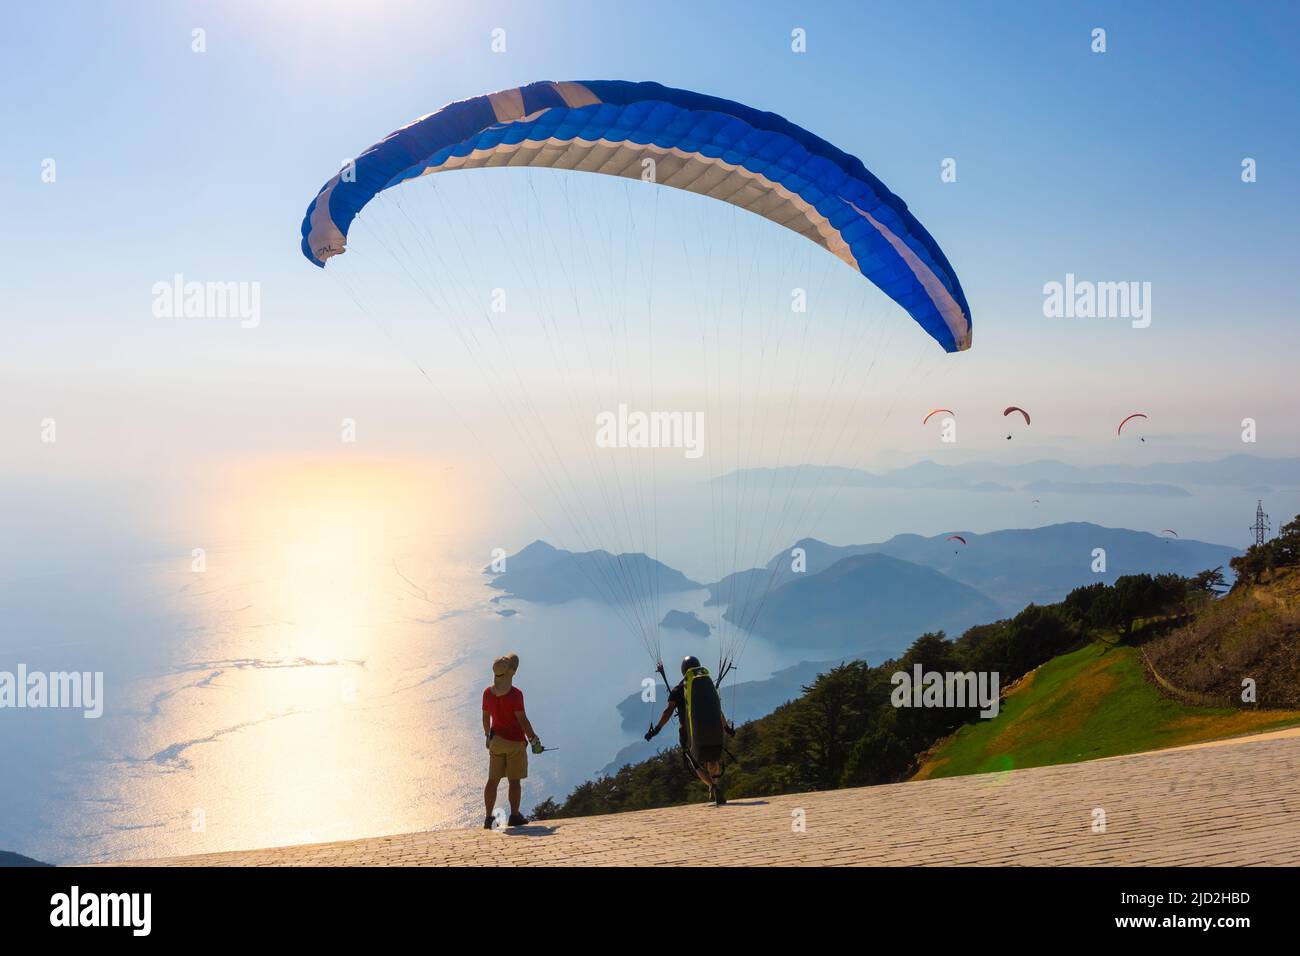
(507, 729)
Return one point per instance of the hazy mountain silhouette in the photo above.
(548, 575)
(1239, 470)
(1012, 567)
(17, 859)
(870, 601)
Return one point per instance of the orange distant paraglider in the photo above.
(1015, 408)
(955, 537)
(936, 411)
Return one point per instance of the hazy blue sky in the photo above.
(1118, 166)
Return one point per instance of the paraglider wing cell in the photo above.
(707, 145)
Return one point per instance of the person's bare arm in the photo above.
(523, 722)
(663, 719)
(666, 716)
(487, 724)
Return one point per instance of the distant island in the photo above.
(685, 621)
(545, 574)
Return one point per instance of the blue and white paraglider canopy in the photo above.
(704, 144)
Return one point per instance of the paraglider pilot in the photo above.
(700, 724)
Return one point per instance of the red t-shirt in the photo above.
(503, 710)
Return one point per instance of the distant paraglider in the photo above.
(1169, 531)
(1015, 408)
(936, 411)
(956, 537)
(1120, 429)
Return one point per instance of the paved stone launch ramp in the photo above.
(1233, 802)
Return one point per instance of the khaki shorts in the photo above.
(507, 758)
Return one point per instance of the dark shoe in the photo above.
(487, 822)
(517, 820)
(719, 797)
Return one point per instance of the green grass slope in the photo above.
(1093, 702)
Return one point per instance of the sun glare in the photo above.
(326, 532)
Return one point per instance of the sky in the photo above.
(131, 153)
(1115, 166)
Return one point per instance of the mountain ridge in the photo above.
(1239, 469)
(1012, 566)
